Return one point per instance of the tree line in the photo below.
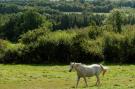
(32, 33)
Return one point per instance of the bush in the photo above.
(119, 48)
(129, 46)
(43, 46)
(32, 36)
(10, 53)
(57, 46)
(40, 46)
(113, 47)
(94, 32)
(85, 49)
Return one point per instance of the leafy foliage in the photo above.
(20, 23)
(59, 32)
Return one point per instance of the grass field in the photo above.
(58, 77)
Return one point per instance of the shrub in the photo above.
(32, 36)
(113, 50)
(86, 50)
(44, 46)
(129, 46)
(10, 53)
(57, 46)
(94, 32)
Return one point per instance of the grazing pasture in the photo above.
(58, 77)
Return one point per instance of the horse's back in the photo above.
(95, 69)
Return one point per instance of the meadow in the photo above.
(58, 77)
(43, 32)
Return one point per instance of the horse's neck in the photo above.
(80, 68)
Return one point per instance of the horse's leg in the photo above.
(78, 79)
(98, 80)
(85, 81)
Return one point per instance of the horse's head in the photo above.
(74, 65)
(71, 66)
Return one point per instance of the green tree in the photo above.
(20, 23)
(116, 21)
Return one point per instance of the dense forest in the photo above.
(61, 31)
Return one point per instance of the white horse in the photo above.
(84, 71)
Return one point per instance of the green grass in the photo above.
(58, 77)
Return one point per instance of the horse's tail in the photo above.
(104, 69)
